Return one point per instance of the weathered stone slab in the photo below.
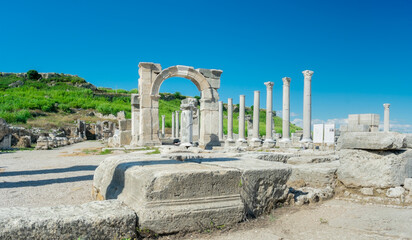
(170, 196)
(377, 169)
(371, 140)
(313, 175)
(311, 159)
(94, 220)
(263, 183)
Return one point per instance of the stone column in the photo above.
(188, 106)
(163, 126)
(229, 139)
(135, 102)
(307, 106)
(241, 140)
(286, 110)
(220, 121)
(177, 128)
(173, 126)
(255, 142)
(386, 117)
(269, 115)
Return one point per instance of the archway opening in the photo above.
(172, 91)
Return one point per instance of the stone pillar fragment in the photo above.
(163, 126)
(188, 106)
(229, 139)
(177, 127)
(386, 125)
(286, 110)
(220, 121)
(173, 126)
(269, 115)
(255, 142)
(307, 106)
(241, 140)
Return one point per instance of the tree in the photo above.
(33, 75)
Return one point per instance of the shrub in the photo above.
(33, 75)
(65, 108)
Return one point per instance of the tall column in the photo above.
(177, 128)
(307, 106)
(163, 126)
(188, 106)
(241, 140)
(256, 107)
(173, 126)
(220, 121)
(386, 117)
(269, 115)
(229, 139)
(286, 110)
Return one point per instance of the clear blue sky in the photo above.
(360, 51)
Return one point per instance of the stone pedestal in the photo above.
(229, 140)
(188, 106)
(307, 106)
(220, 121)
(386, 125)
(256, 141)
(241, 141)
(286, 110)
(269, 142)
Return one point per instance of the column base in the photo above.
(230, 143)
(269, 143)
(306, 140)
(255, 142)
(285, 140)
(187, 145)
(241, 143)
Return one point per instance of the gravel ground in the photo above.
(61, 176)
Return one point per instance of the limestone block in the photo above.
(395, 192)
(4, 128)
(408, 141)
(94, 220)
(367, 191)
(358, 128)
(272, 157)
(24, 142)
(125, 137)
(369, 119)
(371, 140)
(313, 175)
(263, 183)
(311, 159)
(408, 184)
(125, 125)
(170, 196)
(5, 143)
(377, 169)
(135, 99)
(212, 76)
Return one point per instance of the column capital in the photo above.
(286, 80)
(269, 85)
(386, 105)
(307, 73)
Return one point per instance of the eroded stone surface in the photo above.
(371, 140)
(94, 220)
(377, 169)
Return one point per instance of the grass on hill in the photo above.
(58, 101)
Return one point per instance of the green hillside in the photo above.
(63, 98)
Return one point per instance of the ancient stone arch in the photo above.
(145, 105)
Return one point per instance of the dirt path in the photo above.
(334, 219)
(61, 176)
